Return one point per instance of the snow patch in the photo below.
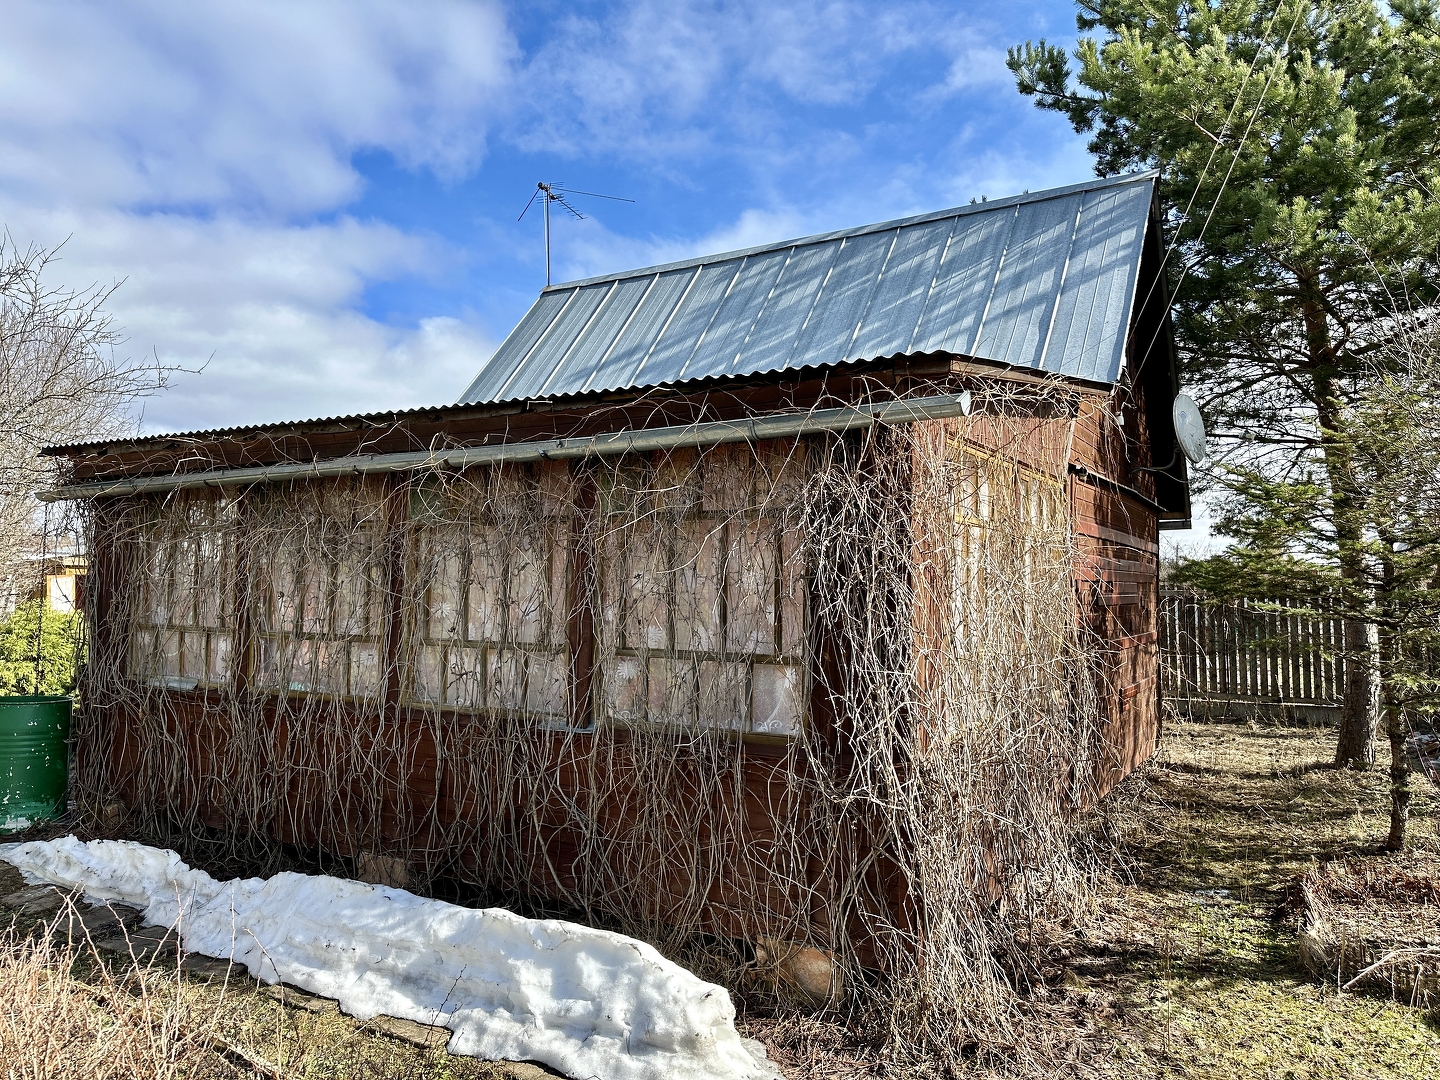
(584, 1001)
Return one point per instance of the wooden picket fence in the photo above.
(1239, 653)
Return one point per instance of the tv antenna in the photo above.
(556, 193)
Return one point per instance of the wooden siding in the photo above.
(441, 784)
(440, 791)
(1118, 577)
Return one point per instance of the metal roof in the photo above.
(1044, 280)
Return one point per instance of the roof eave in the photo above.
(978, 366)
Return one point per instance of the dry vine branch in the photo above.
(839, 701)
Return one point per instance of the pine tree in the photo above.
(1298, 147)
(1286, 546)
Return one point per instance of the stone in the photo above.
(424, 1035)
(803, 968)
(36, 900)
(524, 1070)
(209, 968)
(111, 815)
(144, 944)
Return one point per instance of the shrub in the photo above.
(61, 640)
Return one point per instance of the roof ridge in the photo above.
(1007, 202)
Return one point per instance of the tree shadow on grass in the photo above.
(1197, 959)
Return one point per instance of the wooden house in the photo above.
(570, 638)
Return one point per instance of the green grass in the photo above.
(1195, 959)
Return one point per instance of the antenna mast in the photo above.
(556, 193)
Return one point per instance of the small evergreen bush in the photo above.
(61, 650)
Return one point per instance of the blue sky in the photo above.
(317, 201)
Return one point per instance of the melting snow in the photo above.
(586, 1002)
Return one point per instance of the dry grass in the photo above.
(73, 1011)
(137, 1021)
(1373, 927)
(1191, 966)
(1187, 966)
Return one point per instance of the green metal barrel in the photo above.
(33, 767)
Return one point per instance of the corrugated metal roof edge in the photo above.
(1150, 175)
(509, 404)
(391, 415)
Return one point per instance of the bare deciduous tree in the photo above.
(61, 380)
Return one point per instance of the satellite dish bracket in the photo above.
(1183, 406)
(1163, 468)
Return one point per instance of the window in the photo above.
(319, 579)
(1010, 539)
(700, 617)
(182, 631)
(491, 573)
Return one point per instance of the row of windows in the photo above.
(697, 596)
(695, 588)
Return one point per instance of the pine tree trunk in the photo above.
(1355, 746)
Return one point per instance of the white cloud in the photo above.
(204, 152)
(668, 83)
(269, 310)
(447, 351)
(259, 104)
(187, 148)
(752, 228)
(974, 66)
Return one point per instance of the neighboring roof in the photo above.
(1044, 280)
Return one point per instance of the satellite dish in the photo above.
(1189, 427)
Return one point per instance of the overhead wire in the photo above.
(1205, 172)
(1235, 158)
